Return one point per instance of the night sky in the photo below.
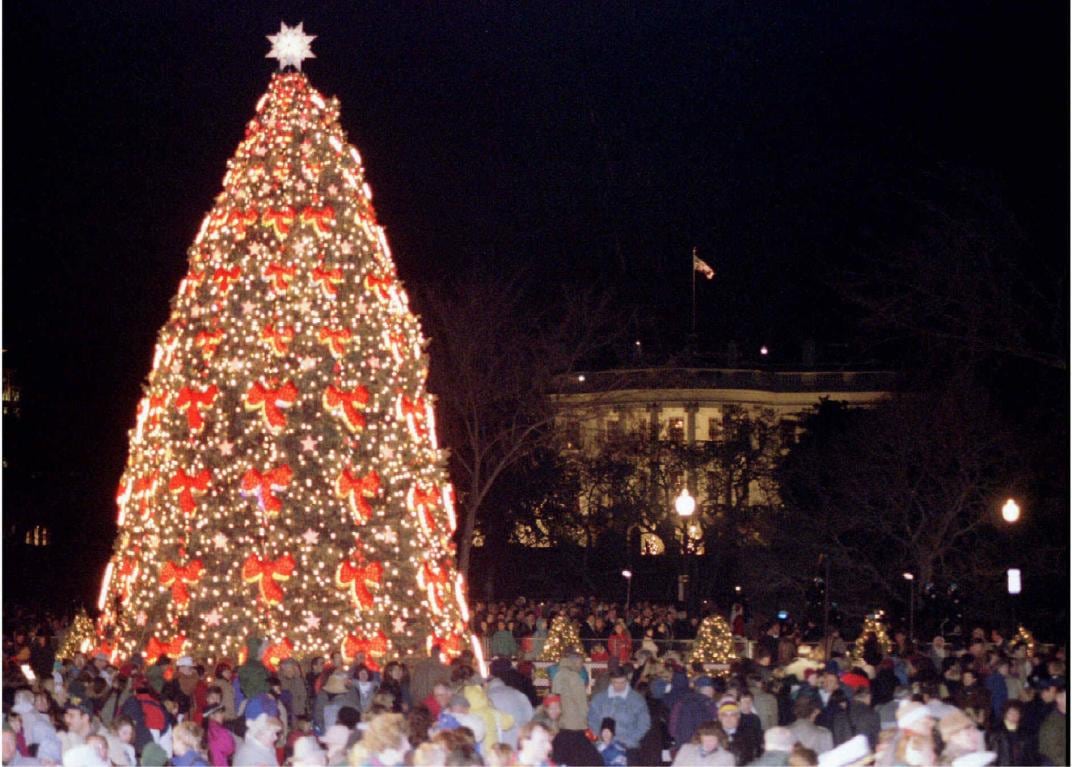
(576, 141)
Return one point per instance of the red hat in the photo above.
(855, 681)
(552, 699)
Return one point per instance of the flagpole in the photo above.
(692, 268)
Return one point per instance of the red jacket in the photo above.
(620, 646)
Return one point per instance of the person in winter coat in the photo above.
(221, 741)
(570, 687)
(293, 682)
(365, 687)
(335, 693)
(495, 722)
(186, 741)
(745, 743)
(709, 748)
(513, 702)
(693, 709)
(258, 749)
(855, 717)
(503, 642)
(611, 749)
(1012, 746)
(425, 673)
(1053, 735)
(625, 706)
(620, 644)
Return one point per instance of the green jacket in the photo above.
(1053, 738)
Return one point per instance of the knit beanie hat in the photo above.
(153, 756)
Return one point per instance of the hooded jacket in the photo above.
(495, 722)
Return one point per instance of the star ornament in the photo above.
(291, 46)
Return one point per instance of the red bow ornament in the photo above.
(278, 339)
(347, 404)
(185, 485)
(240, 220)
(451, 645)
(127, 573)
(354, 644)
(144, 489)
(154, 648)
(358, 579)
(262, 486)
(435, 580)
(276, 653)
(423, 503)
(192, 400)
(178, 576)
(357, 490)
(321, 219)
(271, 402)
(328, 280)
(208, 342)
(225, 278)
(279, 276)
(279, 221)
(335, 340)
(268, 573)
(381, 286)
(415, 414)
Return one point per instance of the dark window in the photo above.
(675, 430)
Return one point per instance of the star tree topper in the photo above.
(291, 46)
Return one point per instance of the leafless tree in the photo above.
(966, 279)
(914, 485)
(494, 366)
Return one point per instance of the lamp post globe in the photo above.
(1010, 512)
(685, 504)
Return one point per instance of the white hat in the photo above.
(848, 752)
(779, 739)
(337, 735)
(975, 759)
(308, 752)
(83, 756)
(184, 662)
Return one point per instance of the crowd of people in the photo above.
(987, 701)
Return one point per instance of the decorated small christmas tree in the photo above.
(873, 625)
(1024, 637)
(563, 635)
(81, 636)
(283, 477)
(714, 642)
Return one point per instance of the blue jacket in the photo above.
(999, 693)
(630, 715)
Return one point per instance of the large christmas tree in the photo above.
(283, 478)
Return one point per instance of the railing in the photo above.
(729, 378)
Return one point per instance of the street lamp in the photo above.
(628, 575)
(911, 605)
(684, 505)
(1010, 512)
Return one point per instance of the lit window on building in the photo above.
(651, 545)
(37, 537)
(675, 429)
(715, 429)
(572, 433)
(696, 542)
